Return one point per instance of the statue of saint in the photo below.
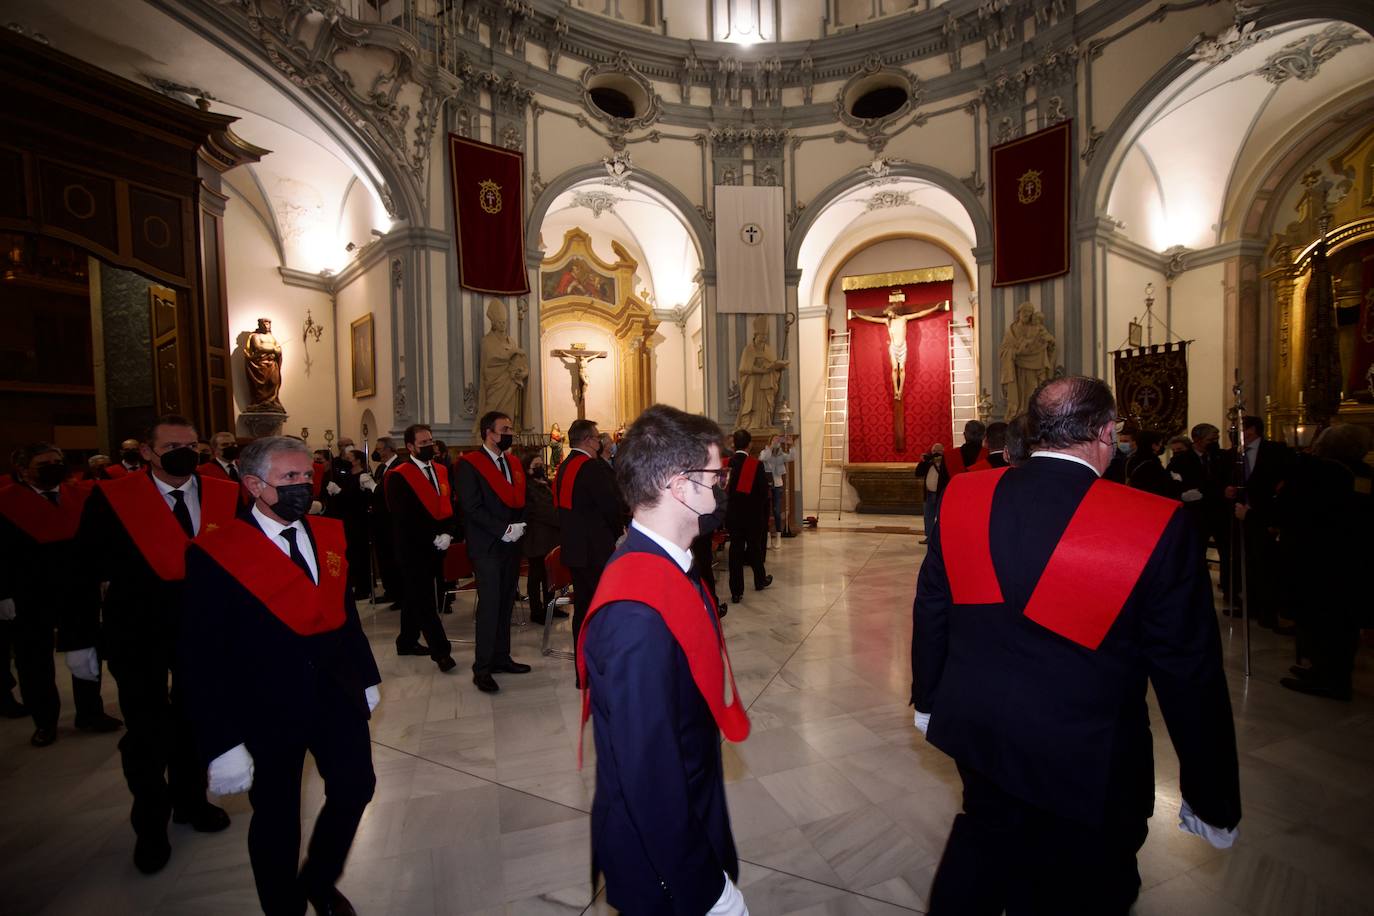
(504, 368)
(555, 446)
(1026, 357)
(759, 374)
(896, 338)
(262, 365)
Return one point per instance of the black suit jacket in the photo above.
(588, 531)
(1058, 725)
(47, 584)
(660, 826)
(248, 675)
(748, 510)
(1272, 465)
(485, 517)
(413, 528)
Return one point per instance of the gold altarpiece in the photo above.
(576, 286)
(1291, 250)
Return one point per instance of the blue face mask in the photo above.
(1126, 448)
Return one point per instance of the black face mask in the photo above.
(180, 462)
(376, 455)
(708, 522)
(539, 473)
(203, 458)
(229, 452)
(293, 501)
(51, 476)
(131, 456)
(505, 442)
(425, 453)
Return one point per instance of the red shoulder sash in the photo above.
(148, 520)
(513, 493)
(954, 461)
(212, 469)
(243, 551)
(658, 582)
(745, 482)
(438, 504)
(1095, 550)
(40, 519)
(567, 479)
(116, 471)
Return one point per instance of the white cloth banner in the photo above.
(749, 246)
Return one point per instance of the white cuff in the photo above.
(231, 772)
(84, 664)
(1189, 822)
(922, 722)
(373, 696)
(731, 902)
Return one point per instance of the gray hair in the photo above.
(1347, 443)
(256, 457)
(23, 457)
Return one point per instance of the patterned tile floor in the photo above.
(838, 806)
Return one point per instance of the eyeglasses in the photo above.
(721, 475)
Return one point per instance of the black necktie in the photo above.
(233, 473)
(501, 463)
(432, 479)
(183, 514)
(51, 496)
(296, 556)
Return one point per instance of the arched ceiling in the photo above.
(305, 178)
(874, 209)
(1207, 134)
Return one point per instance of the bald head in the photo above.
(1074, 415)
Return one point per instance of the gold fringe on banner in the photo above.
(899, 278)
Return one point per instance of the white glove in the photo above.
(84, 664)
(1178, 478)
(366, 482)
(442, 541)
(6, 608)
(514, 532)
(1191, 496)
(1189, 822)
(316, 507)
(332, 488)
(374, 696)
(922, 722)
(231, 772)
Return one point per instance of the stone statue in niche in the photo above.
(1026, 357)
(759, 373)
(504, 369)
(262, 365)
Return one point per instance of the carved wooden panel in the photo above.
(157, 230)
(168, 377)
(79, 202)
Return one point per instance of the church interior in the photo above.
(854, 224)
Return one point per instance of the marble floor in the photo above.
(838, 805)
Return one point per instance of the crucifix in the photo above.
(896, 318)
(576, 358)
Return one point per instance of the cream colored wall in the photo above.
(1198, 314)
(694, 394)
(254, 290)
(812, 335)
(369, 293)
(670, 362)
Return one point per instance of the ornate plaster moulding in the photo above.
(876, 75)
(596, 201)
(622, 75)
(1302, 59)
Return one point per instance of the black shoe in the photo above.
(1316, 689)
(560, 615)
(924, 541)
(151, 853)
(42, 737)
(511, 667)
(736, 599)
(722, 609)
(333, 904)
(446, 664)
(1299, 671)
(396, 606)
(387, 598)
(205, 818)
(100, 724)
(539, 620)
(11, 708)
(412, 649)
(789, 534)
(767, 581)
(486, 683)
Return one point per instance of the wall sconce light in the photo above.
(305, 434)
(310, 329)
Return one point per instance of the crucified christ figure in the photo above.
(576, 360)
(896, 338)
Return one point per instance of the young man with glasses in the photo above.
(659, 686)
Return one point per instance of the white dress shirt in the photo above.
(191, 491)
(1062, 456)
(1251, 456)
(427, 472)
(274, 528)
(681, 557)
(501, 461)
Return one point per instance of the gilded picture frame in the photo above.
(362, 345)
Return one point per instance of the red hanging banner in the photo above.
(1030, 206)
(488, 189)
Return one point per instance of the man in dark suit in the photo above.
(41, 585)
(383, 538)
(1267, 464)
(133, 535)
(420, 501)
(972, 455)
(996, 443)
(1030, 664)
(746, 515)
(223, 464)
(588, 515)
(491, 490)
(276, 664)
(653, 660)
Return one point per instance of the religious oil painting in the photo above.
(364, 357)
(578, 278)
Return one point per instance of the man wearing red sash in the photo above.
(1047, 603)
(971, 456)
(420, 502)
(276, 664)
(223, 464)
(589, 519)
(659, 686)
(491, 491)
(133, 535)
(41, 593)
(746, 515)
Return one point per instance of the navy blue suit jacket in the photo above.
(660, 828)
(1056, 724)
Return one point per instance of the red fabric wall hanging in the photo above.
(925, 393)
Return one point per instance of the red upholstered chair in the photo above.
(560, 586)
